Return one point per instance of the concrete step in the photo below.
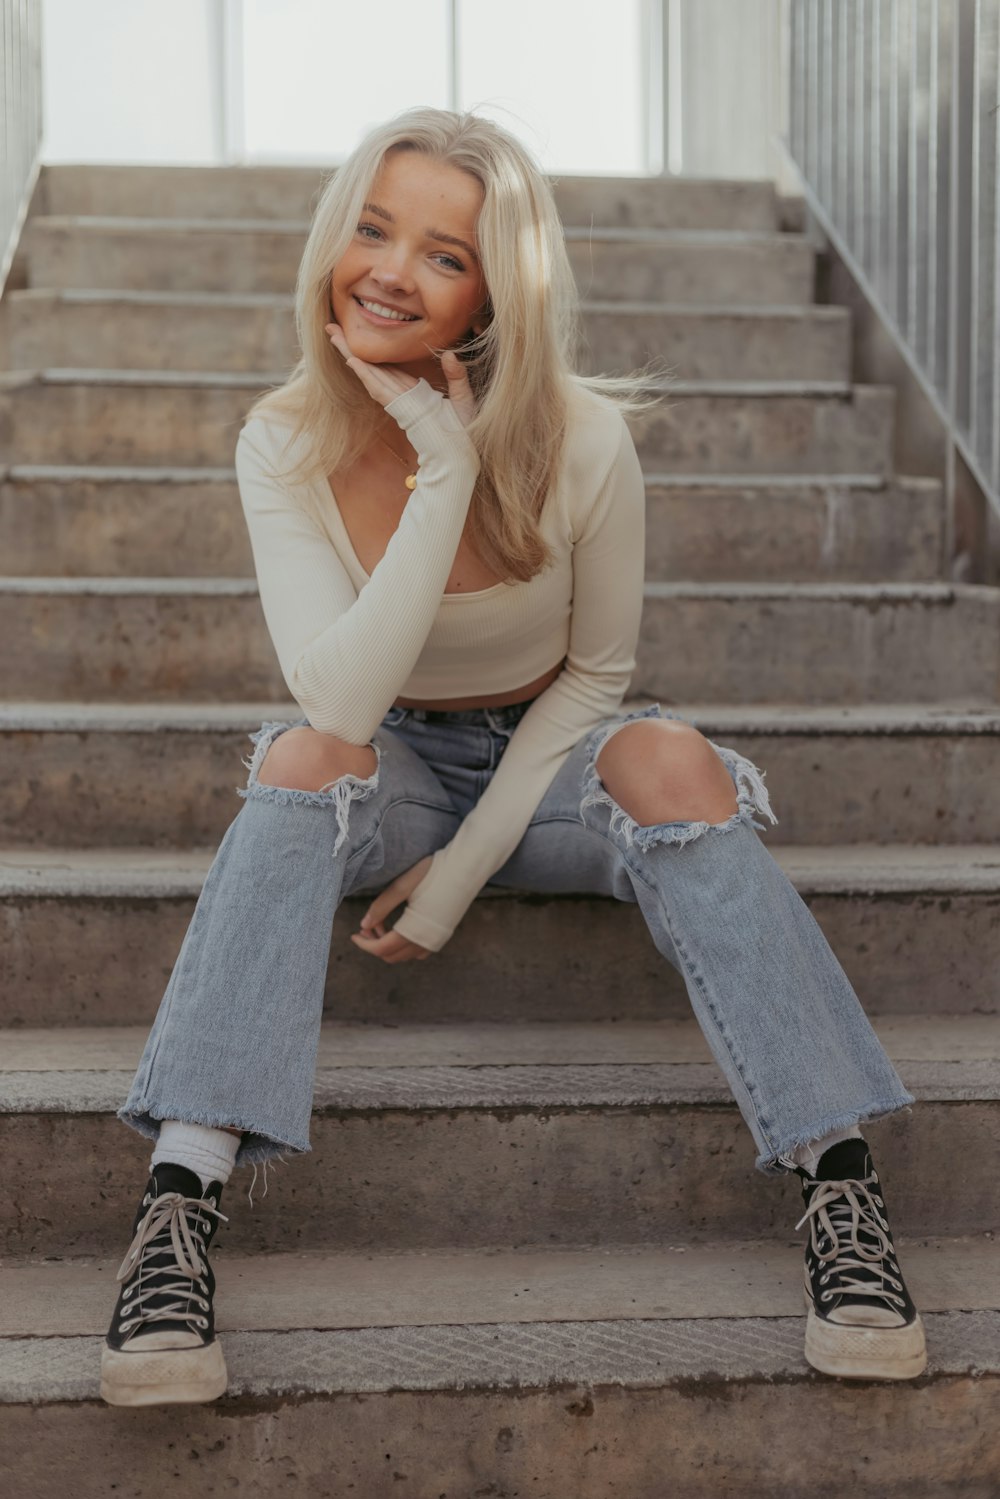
(141, 522)
(721, 343)
(164, 776)
(583, 1373)
(281, 192)
(700, 427)
(83, 257)
(205, 640)
(90, 937)
(490, 1135)
(178, 331)
(784, 529)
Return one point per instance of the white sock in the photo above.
(808, 1155)
(209, 1153)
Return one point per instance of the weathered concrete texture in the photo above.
(636, 1354)
(112, 258)
(288, 192)
(222, 331)
(153, 780)
(756, 433)
(664, 266)
(78, 522)
(825, 530)
(728, 1411)
(83, 521)
(538, 1086)
(205, 639)
(600, 1046)
(724, 343)
(189, 418)
(444, 1288)
(820, 642)
(624, 1170)
(91, 937)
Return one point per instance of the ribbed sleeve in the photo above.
(345, 655)
(608, 560)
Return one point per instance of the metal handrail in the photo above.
(895, 130)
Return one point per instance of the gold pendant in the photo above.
(411, 481)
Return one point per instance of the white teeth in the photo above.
(388, 312)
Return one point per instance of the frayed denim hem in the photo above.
(337, 794)
(255, 1148)
(751, 793)
(777, 1162)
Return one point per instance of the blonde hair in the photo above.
(520, 367)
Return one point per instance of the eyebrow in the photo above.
(438, 234)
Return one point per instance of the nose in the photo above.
(393, 272)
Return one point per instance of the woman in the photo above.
(451, 570)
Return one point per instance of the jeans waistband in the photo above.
(500, 717)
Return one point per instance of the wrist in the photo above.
(432, 425)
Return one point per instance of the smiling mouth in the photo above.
(387, 315)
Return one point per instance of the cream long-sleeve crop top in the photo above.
(350, 643)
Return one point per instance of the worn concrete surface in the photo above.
(571, 1164)
(134, 639)
(785, 1435)
(82, 520)
(907, 774)
(289, 192)
(935, 1040)
(91, 936)
(202, 331)
(280, 1292)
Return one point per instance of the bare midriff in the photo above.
(489, 700)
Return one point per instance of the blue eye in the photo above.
(453, 264)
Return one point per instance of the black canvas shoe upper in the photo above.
(851, 1266)
(168, 1284)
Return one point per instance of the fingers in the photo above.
(460, 392)
(454, 371)
(390, 947)
(383, 382)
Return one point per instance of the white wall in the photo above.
(206, 81)
(301, 80)
(129, 80)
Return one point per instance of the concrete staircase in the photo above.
(528, 1255)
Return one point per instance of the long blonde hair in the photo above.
(521, 367)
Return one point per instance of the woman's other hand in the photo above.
(373, 937)
(384, 382)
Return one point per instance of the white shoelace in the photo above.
(855, 1206)
(168, 1210)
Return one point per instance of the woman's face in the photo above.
(404, 257)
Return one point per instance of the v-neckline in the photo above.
(345, 537)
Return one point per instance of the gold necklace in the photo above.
(411, 479)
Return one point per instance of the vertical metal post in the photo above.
(233, 89)
(454, 59)
(653, 84)
(994, 115)
(673, 74)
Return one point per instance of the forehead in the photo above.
(417, 183)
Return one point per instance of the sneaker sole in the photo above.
(173, 1376)
(865, 1352)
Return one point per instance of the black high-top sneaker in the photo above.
(161, 1347)
(861, 1321)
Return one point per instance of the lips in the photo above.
(404, 319)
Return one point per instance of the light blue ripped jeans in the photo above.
(235, 1039)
